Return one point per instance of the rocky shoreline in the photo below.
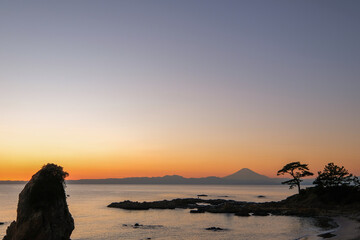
(322, 219)
(319, 205)
(239, 208)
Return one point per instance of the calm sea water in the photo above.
(94, 221)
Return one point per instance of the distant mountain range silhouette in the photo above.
(244, 176)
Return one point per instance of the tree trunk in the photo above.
(298, 187)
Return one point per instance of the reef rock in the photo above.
(42, 212)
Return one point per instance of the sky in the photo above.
(194, 88)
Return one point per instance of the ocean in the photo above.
(94, 221)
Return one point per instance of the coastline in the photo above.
(349, 228)
(337, 224)
(80, 196)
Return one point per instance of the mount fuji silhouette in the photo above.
(248, 175)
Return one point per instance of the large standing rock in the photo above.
(42, 212)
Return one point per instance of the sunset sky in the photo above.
(194, 88)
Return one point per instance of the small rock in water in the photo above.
(326, 235)
(1, 223)
(243, 213)
(261, 196)
(202, 195)
(136, 225)
(197, 211)
(260, 213)
(215, 229)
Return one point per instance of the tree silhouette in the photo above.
(297, 171)
(335, 176)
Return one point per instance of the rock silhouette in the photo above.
(42, 212)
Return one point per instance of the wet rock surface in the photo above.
(42, 212)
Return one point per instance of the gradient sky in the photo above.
(195, 88)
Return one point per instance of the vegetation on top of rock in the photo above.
(54, 170)
(50, 185)
(335, 176)
(297, 171)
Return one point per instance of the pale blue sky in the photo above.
(185, 72)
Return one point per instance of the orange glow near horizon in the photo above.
(95, 150)
(86, 153)
(144, 152)
(151, 163)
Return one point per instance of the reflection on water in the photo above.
(94, 221)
